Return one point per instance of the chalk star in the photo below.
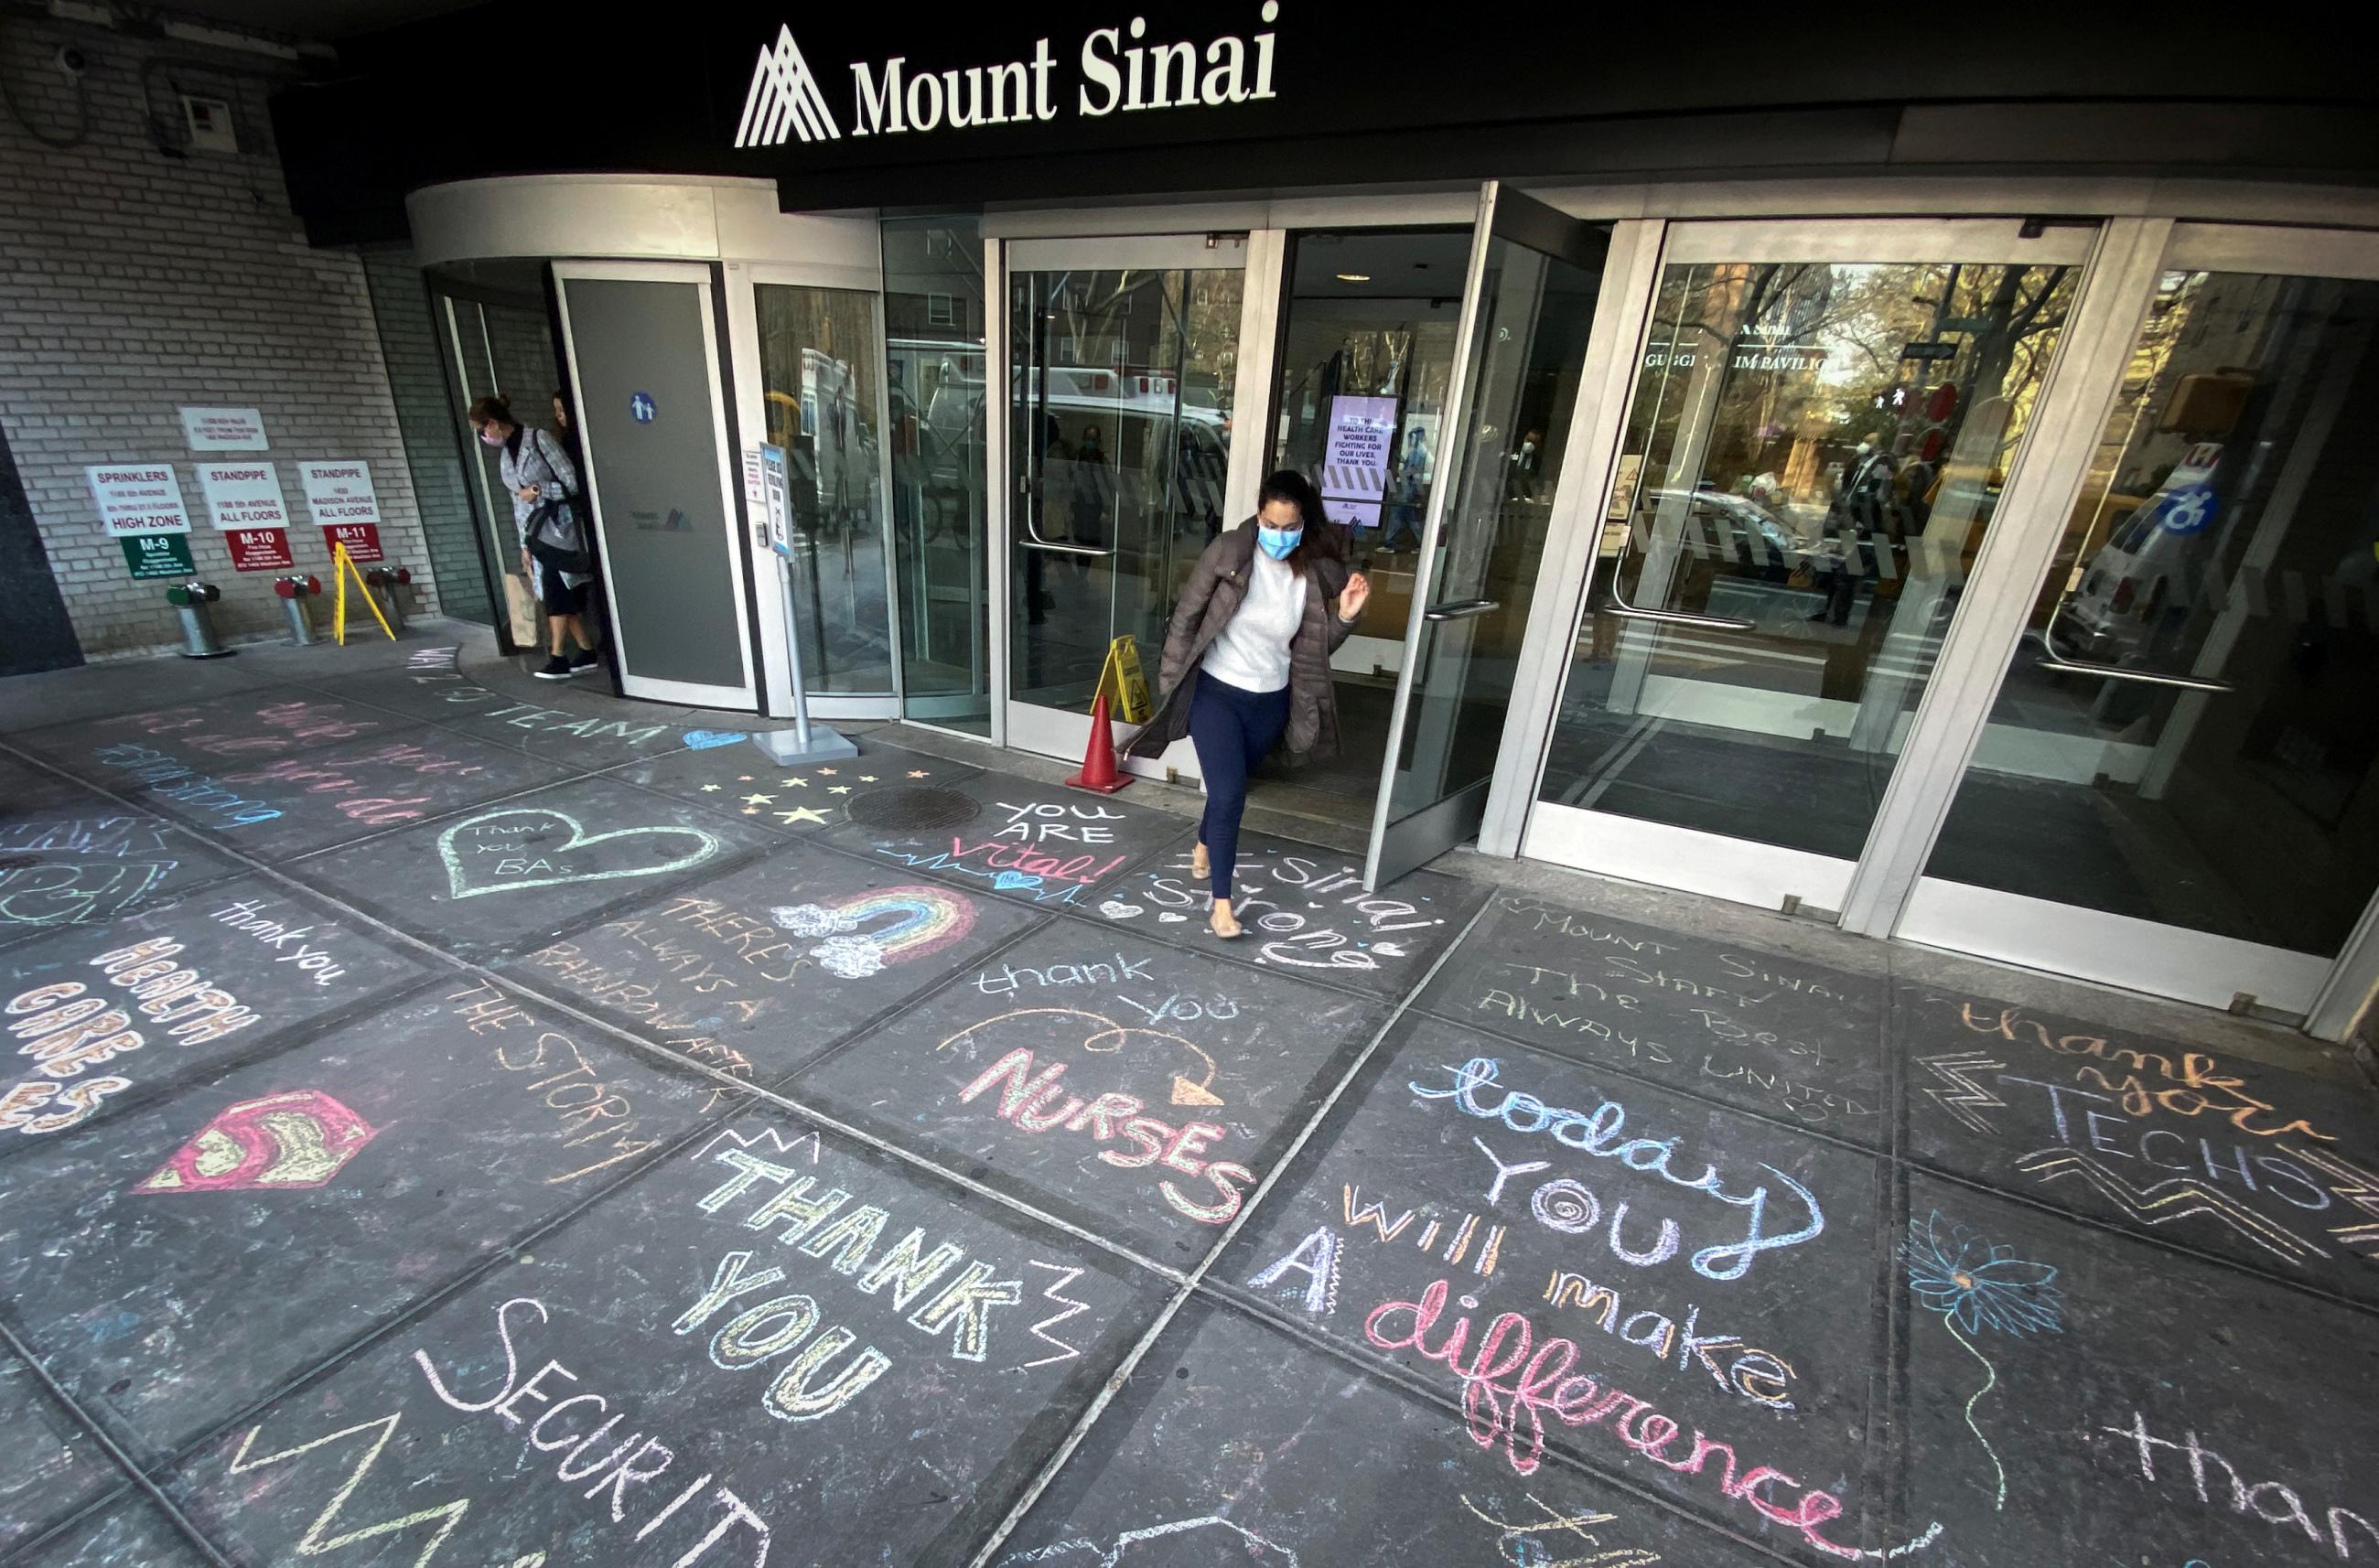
(742, 778)
(800, 814)
(793, 781)
(830, 770)
(759, 800)
(751, 810)
(839, 789)
(917, 773)
(710, 789)
(799, 783)
(867, 779)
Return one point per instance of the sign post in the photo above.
(808, 742)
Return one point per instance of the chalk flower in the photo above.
(1959, 1275)
(1976, 1283)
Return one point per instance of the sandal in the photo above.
(1222, 922)
(1200, 866)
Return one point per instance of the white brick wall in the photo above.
(132, 283)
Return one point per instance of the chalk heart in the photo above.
(1015, 881)
(525, 836)
(1116, 909)
(706, 740)
(1169, 918)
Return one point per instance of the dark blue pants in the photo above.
(1232, 730)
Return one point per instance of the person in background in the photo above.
(535, 469)
(567, 428)
(1247, 660)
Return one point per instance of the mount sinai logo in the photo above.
(784, 100)
(1120, 70)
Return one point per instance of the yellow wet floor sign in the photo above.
(1129, 685)
(342, 566)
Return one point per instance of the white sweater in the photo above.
(1252, 652)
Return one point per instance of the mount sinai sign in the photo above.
(1117, 70)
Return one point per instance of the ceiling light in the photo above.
(1354, 277)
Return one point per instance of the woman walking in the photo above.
(1247, 660)
(536, 469)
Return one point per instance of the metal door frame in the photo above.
(2327, 993)
(693, 693)
(1745, 870)
(1258, 255)
(742, 300)
(1504, 213)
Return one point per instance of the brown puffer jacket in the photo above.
(1215, 589)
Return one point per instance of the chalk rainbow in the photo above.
(930, 919)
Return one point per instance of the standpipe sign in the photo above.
(1116, 70)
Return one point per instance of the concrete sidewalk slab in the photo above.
(1041, 844)
(1305, 913)
(79, 863)
(169, 1263)
(112, 1016)
(774, 1347)
(1720, 1268)
(2058, 1407)
(508, 878)
(1138, 1090)
(2266, 1167)
(125, 1534)
(50, 1467)
(1233, 1443)
(762, 971)
(1776, 1035)
(884, 783)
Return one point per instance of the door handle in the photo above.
(2109, 672)
(1627, 611)
(1460, 610)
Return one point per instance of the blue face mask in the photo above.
(1277, 542)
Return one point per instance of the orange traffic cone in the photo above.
(1099, 770)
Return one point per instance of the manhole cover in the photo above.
(909, 809)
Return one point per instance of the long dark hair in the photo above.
(1316, 543)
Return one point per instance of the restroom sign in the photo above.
(138, 498)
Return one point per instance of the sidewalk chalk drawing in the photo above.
(924, 921)
(1981, 1286)
(524, 861)
(302, 1138)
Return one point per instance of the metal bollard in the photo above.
(295, 592)
(190, 600)
(385, 583)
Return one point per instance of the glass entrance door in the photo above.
(1825, 424)
(2174, 791)
(1123, 368)
(1527, 308)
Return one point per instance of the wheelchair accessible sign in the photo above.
(2190, 503)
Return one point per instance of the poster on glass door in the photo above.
(1354, 459)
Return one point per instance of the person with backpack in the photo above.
(547, 518)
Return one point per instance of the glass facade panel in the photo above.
(1813, 453)
(934, 305)
(2227, 534)
(820, 353)
(1121, 398)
